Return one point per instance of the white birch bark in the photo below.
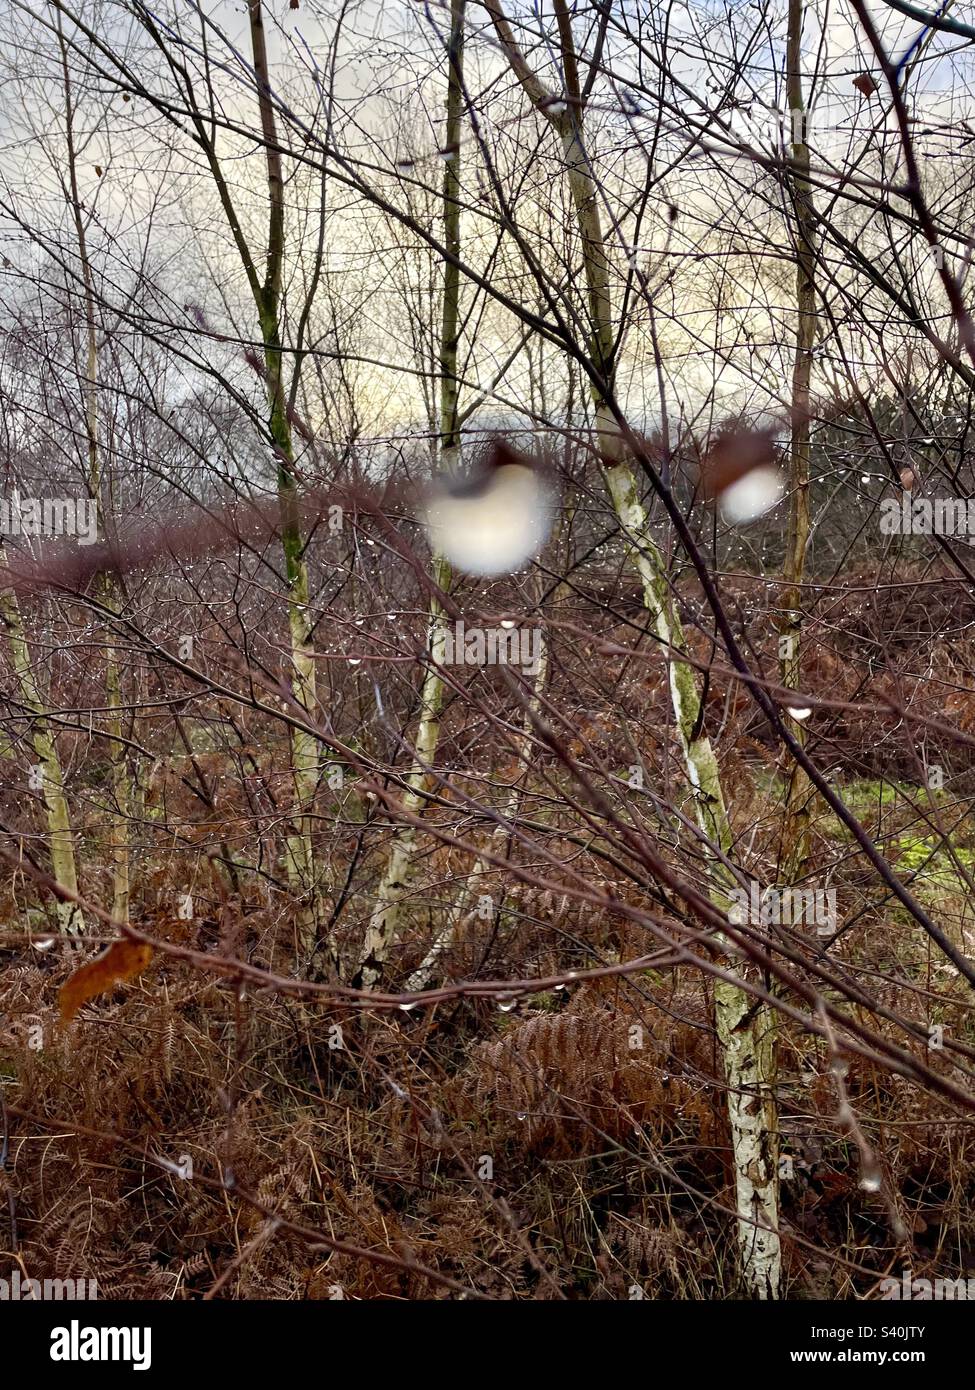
(394, 884)
(422, 975)
(300, 856)
(795, 827)
(118, 812)
(60, 840)
(743, 1031)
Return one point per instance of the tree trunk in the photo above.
(48, 768)
(743, 1030)
(795, 833)
(121, 791)
(383, 924)
(300, 857)
(445, 938)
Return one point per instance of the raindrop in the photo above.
(752, 495)
(494, 520)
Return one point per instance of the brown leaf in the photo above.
(908, 478)
(122, 961)
(865, 84)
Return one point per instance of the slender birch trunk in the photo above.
(300, 855)
(47, 771)
(446, 937)
(795, 833)
(121, 789)
(450, 315)
(395, 883)
(744, 1030)
(450, 932)
(266, 293)
(384, 921)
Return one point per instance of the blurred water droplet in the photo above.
(752, 495)
(495, 519)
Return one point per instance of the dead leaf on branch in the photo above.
(122, 961)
